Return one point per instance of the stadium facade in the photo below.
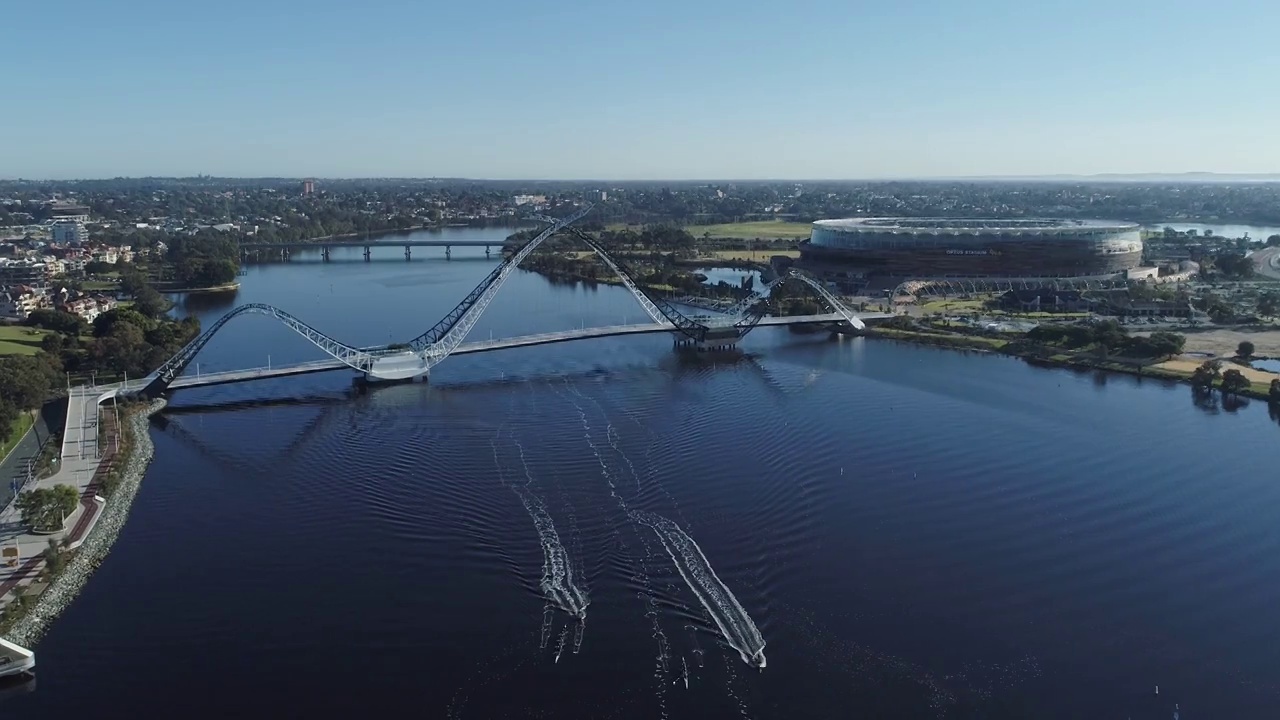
(859, 254)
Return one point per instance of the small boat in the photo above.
(15, 660)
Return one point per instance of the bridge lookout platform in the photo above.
(396, 367)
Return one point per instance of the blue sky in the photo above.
(639, 90)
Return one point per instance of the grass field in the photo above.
(953, 307)
(20, 340)
(760, 230)
(20, 427)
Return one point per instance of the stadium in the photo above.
(863, 254)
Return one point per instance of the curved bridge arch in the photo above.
(355, 358)
(433, 346)
(827, 296)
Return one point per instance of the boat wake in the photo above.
(734, 623)
(557, 583)
(557, 573)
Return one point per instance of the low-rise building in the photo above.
(18, 301)
(27, 271)
(88, 307)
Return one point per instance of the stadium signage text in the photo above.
(971, 252)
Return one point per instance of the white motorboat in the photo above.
(15, 660)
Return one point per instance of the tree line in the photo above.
(1109, 337)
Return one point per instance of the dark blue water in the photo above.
(912, 532)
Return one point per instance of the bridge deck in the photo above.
(318, 244)
(479, 346)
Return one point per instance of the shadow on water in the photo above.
(195, 303)
(1215, 403)
(1234, 403)
(240, 405)
(1205, 401)
(307, 433)
(677, 365)
(14, 687)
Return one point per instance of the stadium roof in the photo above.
(969, 225)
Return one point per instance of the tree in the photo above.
(1273, 241)
(25, 381)
(150, 303)
(1245, 349)
(1233, 266)
(1203, 377)
(1165, 344)
(104, 323)
(1269, 302)
(47, 508)
(132, 281)
(1275, 391)
(56, 320)
(123, 350)
(1234, 382)
(53, 343)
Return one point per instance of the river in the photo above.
(1255, 232)
(910, 532)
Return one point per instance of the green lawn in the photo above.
(759, 230)
(20, 340)
(20, 427)
(953, 307)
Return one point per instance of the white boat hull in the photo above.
(15, 660)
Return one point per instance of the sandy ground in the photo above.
(1259, 378)
(1223, 342)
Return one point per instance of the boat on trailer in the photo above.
(15, 660)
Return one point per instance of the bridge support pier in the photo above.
(708, 345)
(407, 253)
(324, 253)
(486, 251)
(285, 254)
(448, 252)
(366, 253)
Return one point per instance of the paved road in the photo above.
(14, 467)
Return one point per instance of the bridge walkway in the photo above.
(480, 346)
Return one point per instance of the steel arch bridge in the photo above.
(419, 355)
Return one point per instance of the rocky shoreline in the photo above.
(67, 585)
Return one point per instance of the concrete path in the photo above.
(80, 466)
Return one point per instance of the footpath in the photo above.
(84, 461)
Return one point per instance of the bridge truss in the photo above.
(437, 343)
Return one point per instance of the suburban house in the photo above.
(18, 301)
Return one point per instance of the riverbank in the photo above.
(226, 287)
(72, 570)
(1177, 369)
(377, 234)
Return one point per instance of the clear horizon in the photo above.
(915, 90)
